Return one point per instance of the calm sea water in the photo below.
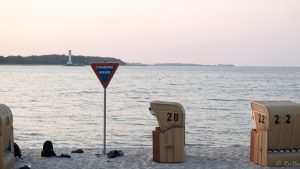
(65, 104)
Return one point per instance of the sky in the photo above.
(239, 32)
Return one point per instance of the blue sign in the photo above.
(104, 72)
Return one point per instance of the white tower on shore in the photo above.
(70, 58)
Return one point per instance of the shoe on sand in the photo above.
(78, 151)
(115, 153)
(64, 156)
(25, 167)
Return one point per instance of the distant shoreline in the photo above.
(178, 64)
(153, 65)
(78, 60)
(127, 64)
(55, 60)
(187, 64)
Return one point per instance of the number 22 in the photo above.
(288, 119)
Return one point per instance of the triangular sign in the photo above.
(105, 71)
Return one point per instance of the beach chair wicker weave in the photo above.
(169, 137)
(6, 138)
(275, 141)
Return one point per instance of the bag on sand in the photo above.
(48, 149)
(17, 150)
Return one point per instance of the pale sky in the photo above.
(240, 32)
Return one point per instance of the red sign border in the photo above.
(115, 67)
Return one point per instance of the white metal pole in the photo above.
(104, 137)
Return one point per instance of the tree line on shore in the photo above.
(55, 60)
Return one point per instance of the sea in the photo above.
(65, 104)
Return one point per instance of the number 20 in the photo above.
(175, 116)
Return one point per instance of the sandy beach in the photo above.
(196, 157)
